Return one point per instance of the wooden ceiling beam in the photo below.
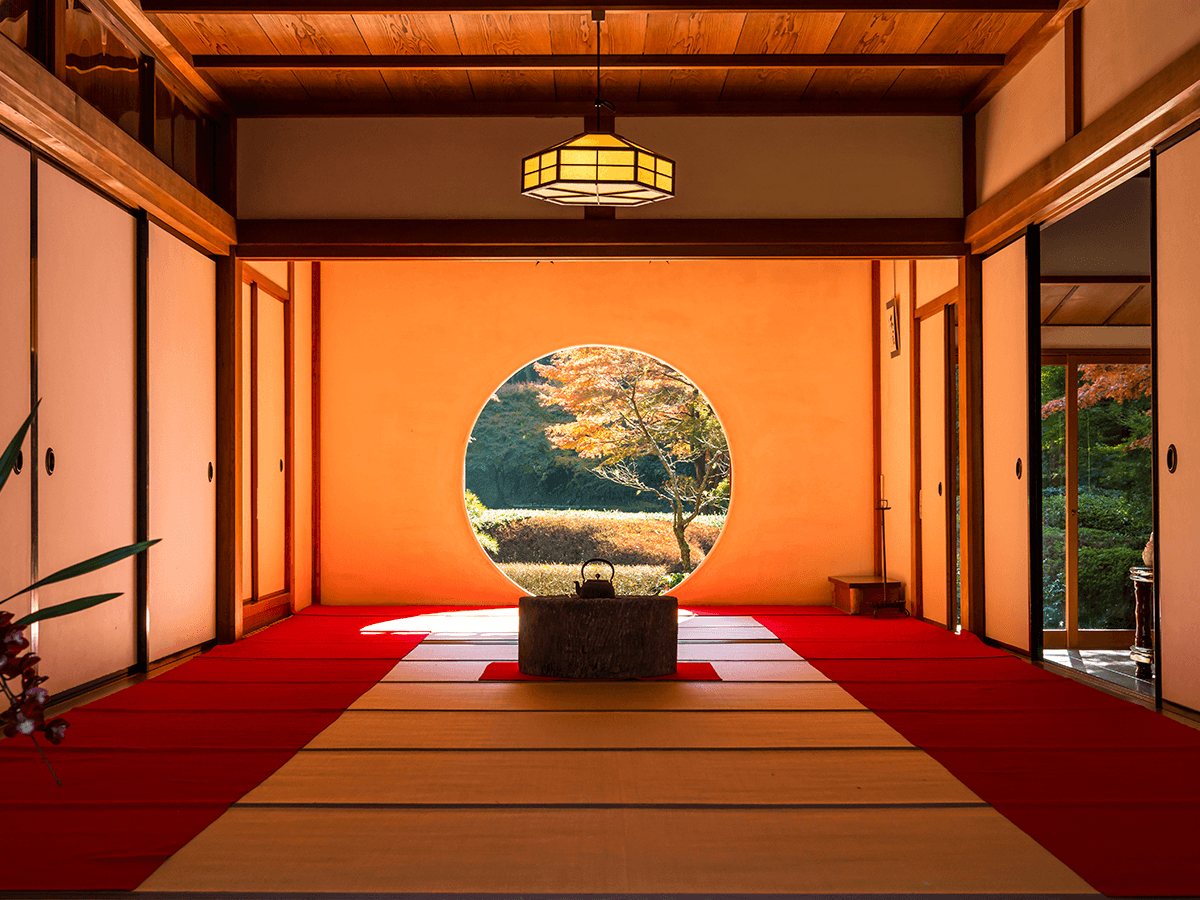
(266, 108)
(357, 7)
(1022, 53)
(587, 62)
(598, 238)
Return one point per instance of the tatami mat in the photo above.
(474, 729)
(436, 670)
(759, 670)
(888, 850)
(498, 649)
(639, 777)
(660, 695)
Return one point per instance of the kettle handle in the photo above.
(596, 559)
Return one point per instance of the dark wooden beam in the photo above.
(1095, 279)
(587, 62)
(334, 7)
(265, 107)
(598, 238)
(1029, 46)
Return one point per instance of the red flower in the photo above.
(56, 730)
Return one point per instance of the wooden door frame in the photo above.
(946, 303)
(259, 611)
(1072, 637)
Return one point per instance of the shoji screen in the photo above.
(14, 367)
(1005, 447)
(182, 372)
(86, 369)
(935, 484)
(271, 430)
(1177, 388)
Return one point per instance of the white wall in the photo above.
(1127, 41)
(1108, 236)
(1024, 122)
(470, 168)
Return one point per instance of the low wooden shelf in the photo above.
(858, 594)
(598, 637)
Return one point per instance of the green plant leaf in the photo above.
(64, 609)
(88, 565)
(14, 446)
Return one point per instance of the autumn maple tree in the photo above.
(627, 407)
(1099, 382)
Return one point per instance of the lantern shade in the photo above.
(598, 169)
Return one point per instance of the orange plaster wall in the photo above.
(896, 426)
(412, 350)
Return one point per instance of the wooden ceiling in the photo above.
(1096, 301)
(302, 56)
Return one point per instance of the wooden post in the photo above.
(970, 430)
(229, 449)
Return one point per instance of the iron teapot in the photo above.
(597, 586)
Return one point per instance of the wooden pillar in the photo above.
(915, 590)
(876, 415)
(970, 432)
(229, 449)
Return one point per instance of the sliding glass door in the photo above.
(1097, 495)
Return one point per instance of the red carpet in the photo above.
(1110, 788)
(684, 671)
(148, 768)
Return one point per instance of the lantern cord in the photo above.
(598, 17)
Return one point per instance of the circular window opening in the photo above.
(597, 452)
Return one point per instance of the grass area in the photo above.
(559, 578)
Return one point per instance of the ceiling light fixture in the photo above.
(598, 169)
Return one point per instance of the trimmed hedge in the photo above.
(628, 540)
(546, 579)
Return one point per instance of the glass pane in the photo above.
(1054, 486)
(14, 21)
(1114, 489)
(101, 69)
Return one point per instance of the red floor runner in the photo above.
(148, 768)
(1110, 788)
(684, 671)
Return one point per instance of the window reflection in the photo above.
(101, 68)
(14, 21)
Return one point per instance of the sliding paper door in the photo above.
(936, 483)
(86, 305)
(1006, 465)
(1177, 390)
(182, 374)
(271, 437)
(14, 369)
